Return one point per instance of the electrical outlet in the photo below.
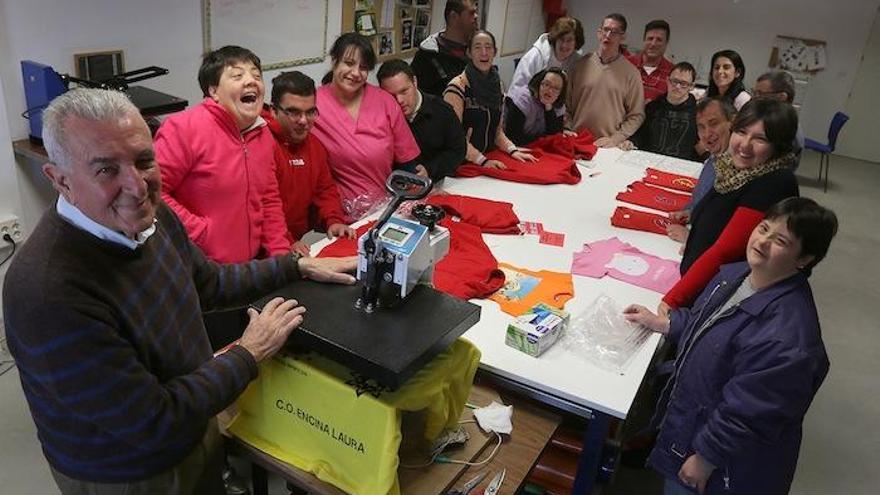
(9, 224)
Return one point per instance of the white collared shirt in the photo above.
(78, 219)
(418, 107)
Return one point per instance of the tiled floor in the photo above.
(841, 444)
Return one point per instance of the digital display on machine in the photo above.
(394, 234)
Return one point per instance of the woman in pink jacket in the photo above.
(217, 163)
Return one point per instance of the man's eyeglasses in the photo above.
(295, 113)
(766, 94)
(610, 31)
(678, 83)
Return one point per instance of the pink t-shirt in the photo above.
(361, 153)
(620, 260)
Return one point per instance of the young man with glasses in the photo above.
(606, 95)
(308, 193)
(670, 126)
(653, 66)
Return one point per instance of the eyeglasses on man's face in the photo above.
(766, 94)
(296, 113)
(679, 83)
(607, 31)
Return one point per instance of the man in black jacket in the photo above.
(433, 122)
(442, 56)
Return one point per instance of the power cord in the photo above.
(442, 459)
(8, 238)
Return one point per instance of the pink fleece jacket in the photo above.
(221, 183)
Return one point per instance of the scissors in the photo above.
(469, 485)
(495, 484)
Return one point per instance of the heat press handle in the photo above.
(405, 186)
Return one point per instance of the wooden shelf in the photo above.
(28, 149)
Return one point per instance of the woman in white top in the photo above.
(558, 47)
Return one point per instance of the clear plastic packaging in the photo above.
(601, 335)
(365, 204)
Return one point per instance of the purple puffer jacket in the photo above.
(741, 388)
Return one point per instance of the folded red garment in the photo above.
(492, 217)
(549, 169)
(628, 218)
(468, 271)
(670, 180)
(639, 193)
(577, 147)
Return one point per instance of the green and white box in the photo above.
(535, 331)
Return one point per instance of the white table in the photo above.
(582, 212)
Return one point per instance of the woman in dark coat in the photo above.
(750, 360)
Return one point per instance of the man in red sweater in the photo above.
(308, 193)
(653, 66)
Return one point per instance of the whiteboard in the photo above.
(283, 33)
(517, 21)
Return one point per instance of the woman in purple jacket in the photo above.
(750, 359)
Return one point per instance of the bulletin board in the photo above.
(395, 27)
(798, 54)
(283, 33)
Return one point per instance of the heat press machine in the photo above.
(397, 254)
(392, 322)
(42, 84)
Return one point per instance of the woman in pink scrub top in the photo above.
(362, 127)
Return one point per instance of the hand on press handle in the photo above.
(268, 330)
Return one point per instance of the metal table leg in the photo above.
(591, 455)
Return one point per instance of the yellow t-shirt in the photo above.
(524, 288)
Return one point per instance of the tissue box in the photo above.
(536, 330)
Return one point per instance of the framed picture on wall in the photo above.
(365, 23)
(423, 18)
(406, 35)
(386, 42)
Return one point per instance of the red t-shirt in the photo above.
(555, 165)
(492, 217)
(627, 218)
(639, 193)
(670, 180)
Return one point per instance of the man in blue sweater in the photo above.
(103, 309)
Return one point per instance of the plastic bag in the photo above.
(365, 204)
(600, 334)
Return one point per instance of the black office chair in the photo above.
(837, 122)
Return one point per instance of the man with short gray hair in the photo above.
(103, 308)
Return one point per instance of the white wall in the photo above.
(749, 27)
(9, 197)
(166, 33)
